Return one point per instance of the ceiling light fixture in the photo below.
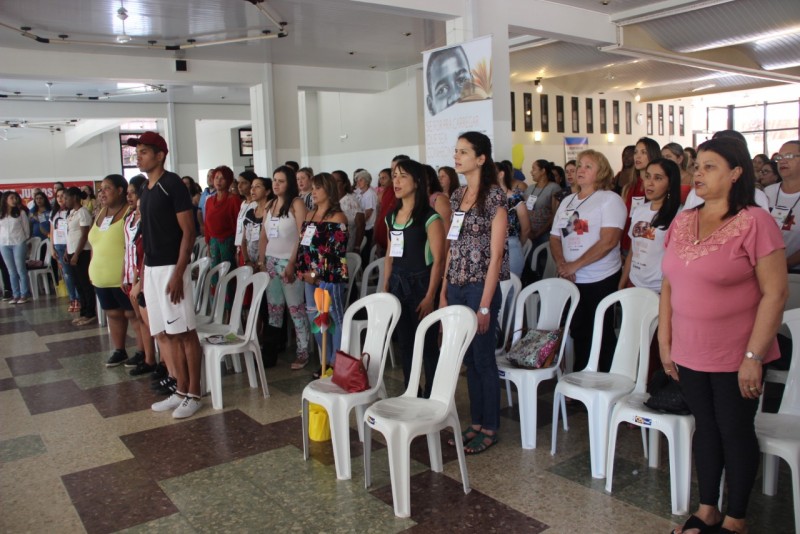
(122, 14)
(637, 96)
(703, 87)
(538, 83)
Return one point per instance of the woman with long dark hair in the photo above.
(322, 257)
(14, 232)
(278, 246)
(58, 238)
(722, 299)
(437, 198)
(414, 263)
(649, 224)
(40, 216)
(646, 150)
(79, 254)
(477, 261)
(539, 200)
(448, 179)
(519, 225)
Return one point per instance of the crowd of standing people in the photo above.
(692, 225)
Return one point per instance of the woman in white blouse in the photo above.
(15, 229)
(585, 244)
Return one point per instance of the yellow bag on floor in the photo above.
(61, 288)
(319, 429)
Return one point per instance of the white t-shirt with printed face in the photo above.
(578, 222)
(785, 209)
(647, 249)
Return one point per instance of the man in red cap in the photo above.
(168, 233)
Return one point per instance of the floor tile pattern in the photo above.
(81, 451)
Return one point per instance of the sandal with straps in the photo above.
(466, 436)
(701, 526)
(479, 444)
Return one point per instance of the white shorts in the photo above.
(164, 315)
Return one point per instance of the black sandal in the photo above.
(695, 522)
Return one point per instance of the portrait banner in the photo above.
(457, 94)
(574, 146)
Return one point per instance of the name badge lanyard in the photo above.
(566, 210)
(777, 202)
(457, 223)
(532, 198)
(107, 220)
(397, 239)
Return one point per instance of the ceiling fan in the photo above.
(136, 90)
(51, 126)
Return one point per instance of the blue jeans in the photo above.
(482, 381)
(515, 259)
(66, 270)
(334, 341)
(14, 256)
(410, 288)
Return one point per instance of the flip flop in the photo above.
(465, 438)
(479, 445)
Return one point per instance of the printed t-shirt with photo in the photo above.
(647, 247)
(578, 222)
(784, 209)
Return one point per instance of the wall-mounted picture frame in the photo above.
(576, 121)
(649, 119)
(589, 116)
(671, 118)
(615, 116)
(681, 130)
(560, 114)
(513, 113)
(661, 119)
(545, 113)
(603, 118)
(245, 141)
(628, 118)
(527, 109)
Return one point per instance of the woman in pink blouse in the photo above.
(722, 300)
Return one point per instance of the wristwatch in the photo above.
(483, 311)
(313, 275)
(750, 355)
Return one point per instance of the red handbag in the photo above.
(350, 373)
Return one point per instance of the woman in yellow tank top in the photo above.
(107, 237)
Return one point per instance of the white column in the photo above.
(263, 119)
(171, 128)
(308, 110)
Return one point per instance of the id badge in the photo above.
(239, 231)
(563, 219)
(106, 224)
(396, 247)
(779, 214)
(636, 202)
(254, 232)
(308, 235)
(455, 225)
(272, 228)
(60, 236)
(530, 202)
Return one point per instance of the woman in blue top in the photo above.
(40, 216)
(414, 263)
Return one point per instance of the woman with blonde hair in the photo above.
(585, 245)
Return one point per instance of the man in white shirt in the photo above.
(369, 203)
(783, 200)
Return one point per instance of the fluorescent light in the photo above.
(537, 136)
(702, 87)
(779, 66)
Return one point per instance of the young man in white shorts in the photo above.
(168, 233)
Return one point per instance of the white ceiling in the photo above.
(325, 32)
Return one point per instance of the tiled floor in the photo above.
(80, 451)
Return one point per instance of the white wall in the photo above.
(217, 144)
(39, 156)
(378, 126)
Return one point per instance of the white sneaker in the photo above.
(187, 408)
(170, 403)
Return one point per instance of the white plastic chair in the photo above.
(248, 346)
(599, 391)
(33, 248)
(34, 275)
(677, 428)
(526, 248)
(550, 264)
(353, 270)
(199, 248)
(554, 294)
(205, 298)
(779, 433)
(374, 271)
(234, 322)
(513, 287)
(401, 419)
(202, 265)
(383, 313)
(217, 311)
(778, 376)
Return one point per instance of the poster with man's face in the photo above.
(457, 96)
